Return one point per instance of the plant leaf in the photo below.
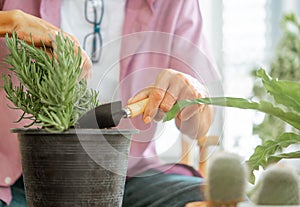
(278, 157)
(267, 107)
(284, 92)
(265, 154)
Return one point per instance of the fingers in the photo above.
(157, 95)
(166, 104)
(86, 66)
(188, 112)
(155, 98)
(140, 96)
(34, 29)
(159, 115)
(169, 87)
(170, 98)
(160, 102)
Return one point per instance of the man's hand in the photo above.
(169, 87)
(30, 28)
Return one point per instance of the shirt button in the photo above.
(7, 180)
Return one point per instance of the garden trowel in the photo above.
(109, 114)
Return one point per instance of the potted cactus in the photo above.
(278, 186)
(63, 165)
(225, 182)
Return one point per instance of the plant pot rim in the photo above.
(75, 131)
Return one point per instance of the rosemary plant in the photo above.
(48, 93)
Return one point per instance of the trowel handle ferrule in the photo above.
(135, 109)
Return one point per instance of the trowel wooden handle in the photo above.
(137, 108)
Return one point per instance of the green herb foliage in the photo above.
(286, 106)
(49, 93)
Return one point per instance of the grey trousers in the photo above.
(156, 190)
(162, 190)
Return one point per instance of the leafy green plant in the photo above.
(286, 66)
(48, 93)
(285, 105)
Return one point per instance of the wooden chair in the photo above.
(197, 154)
(189, 156)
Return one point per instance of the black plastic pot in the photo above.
(79, 167)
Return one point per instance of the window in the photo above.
(243, 36)
(244, 46)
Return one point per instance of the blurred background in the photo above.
(244, 36)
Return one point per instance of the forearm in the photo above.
(6, 22)
(198, 125)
